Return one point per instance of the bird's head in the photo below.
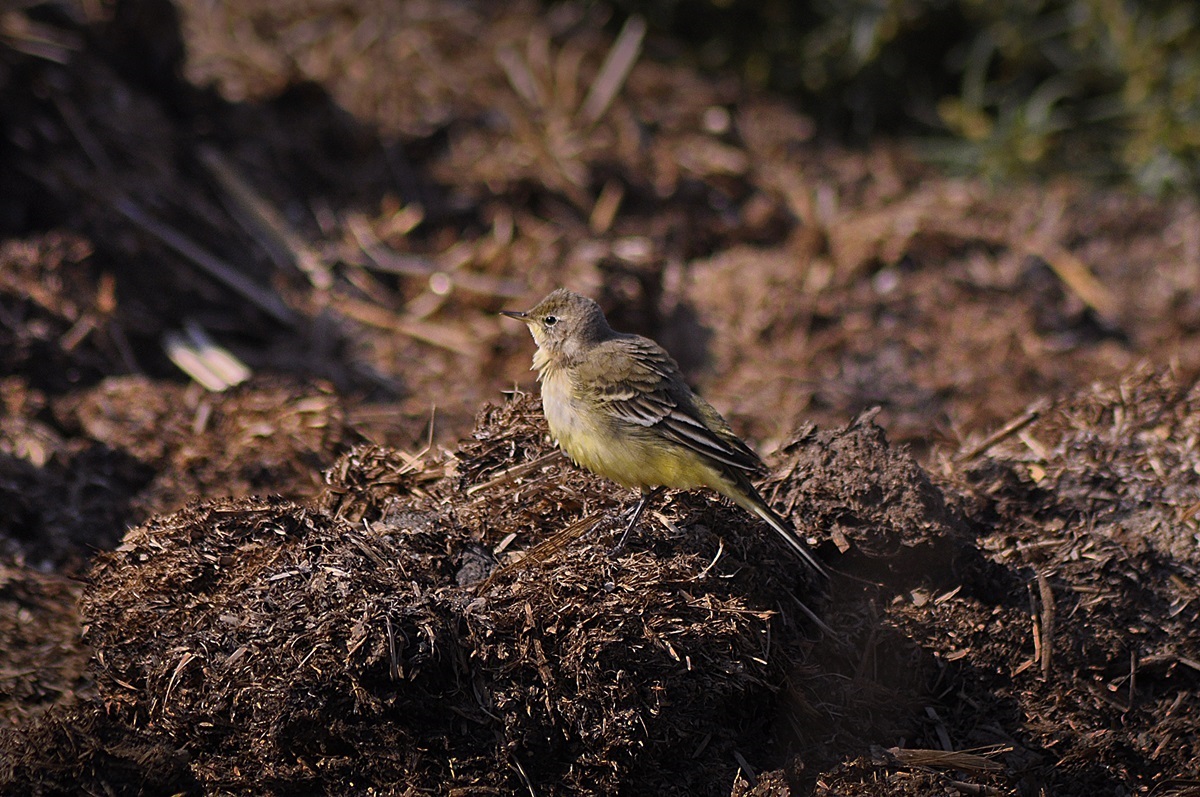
(564, 325)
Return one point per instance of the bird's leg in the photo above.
(648, 495)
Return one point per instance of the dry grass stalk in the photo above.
(515, 472)
(443, 277)
(1014, 426)
(198, 356)
(47, 42)
(450, 338)
(264, 222)
(267, 301)
(1076, 275)
(613, 73)
(977, 759)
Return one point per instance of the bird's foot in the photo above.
(634, 516)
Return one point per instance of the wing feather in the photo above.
(641, 384)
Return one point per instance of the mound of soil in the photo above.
(375, 641)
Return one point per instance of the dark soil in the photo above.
(365, 570)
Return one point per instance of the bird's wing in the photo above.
(639, 383)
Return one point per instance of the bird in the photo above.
(618, 405)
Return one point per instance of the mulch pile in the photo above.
(77, 470)
(455, 621)
(340, 195)
(373, 639)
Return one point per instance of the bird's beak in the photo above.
(517, 314)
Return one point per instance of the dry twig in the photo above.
(261, 220)
(617, 65)
(267, 301)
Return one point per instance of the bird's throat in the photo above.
(543, 364)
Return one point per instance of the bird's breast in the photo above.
(627, 453)
(571, 421)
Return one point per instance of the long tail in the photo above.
(748, 498)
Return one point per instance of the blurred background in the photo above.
(238, 239)
(1100, 88)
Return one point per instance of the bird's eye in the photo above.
(550, 320)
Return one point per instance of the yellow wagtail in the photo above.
(617, 405)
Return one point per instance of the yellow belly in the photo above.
(629, 454)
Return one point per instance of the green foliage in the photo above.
(1107, 88)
